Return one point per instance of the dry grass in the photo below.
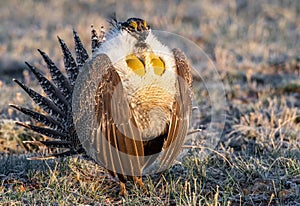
(256, 49)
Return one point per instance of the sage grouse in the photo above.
(127, 107)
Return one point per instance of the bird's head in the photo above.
(136, 27)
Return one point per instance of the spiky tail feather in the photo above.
(58, 121)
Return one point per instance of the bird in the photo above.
(127, 106)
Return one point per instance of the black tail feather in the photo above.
(43, 102)
(57, 77)
(46, 120)
(51, 144)
(52, 91)
(45, 131)
(70, 64)
(81, 53)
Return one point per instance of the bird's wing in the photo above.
(181, 111)
(110, 136)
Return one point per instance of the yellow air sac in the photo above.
(158, 65)
(136, 65)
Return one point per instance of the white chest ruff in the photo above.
(150, 96)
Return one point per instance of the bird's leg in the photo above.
(122, 179)
(138, 181)
(123, 191)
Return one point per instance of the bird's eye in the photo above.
(134, 25)
(135, 64)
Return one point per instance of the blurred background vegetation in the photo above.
(255, 46)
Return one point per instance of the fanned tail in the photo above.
(58, 121)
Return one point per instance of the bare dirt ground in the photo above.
(255, 47)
